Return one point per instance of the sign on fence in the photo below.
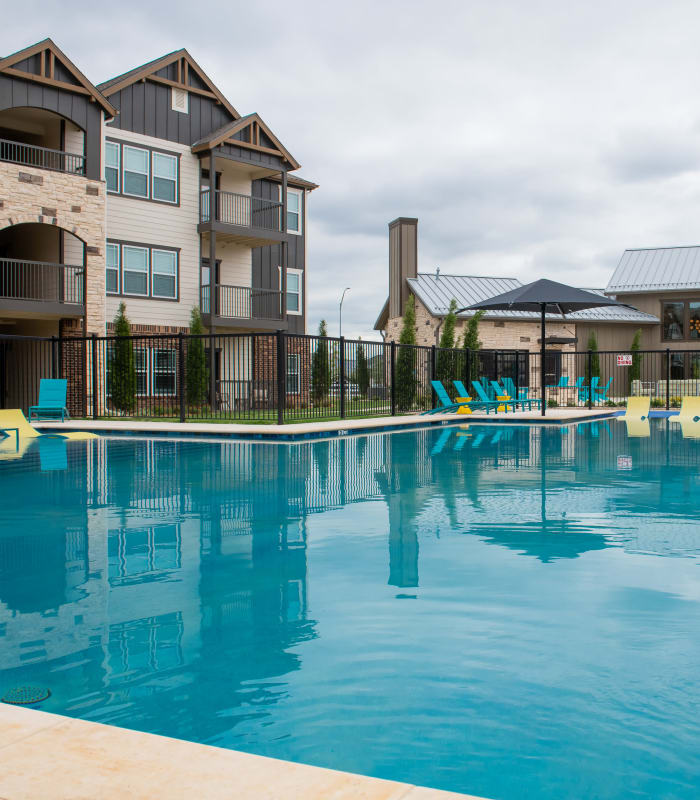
(624, 359)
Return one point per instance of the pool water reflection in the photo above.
(506, 611)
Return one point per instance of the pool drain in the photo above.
(25, 695)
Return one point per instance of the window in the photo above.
(112, 166)
(164, 377)
(677, 366)
(694, 320)
(141, 367)
(136, 171)
(164, 178)
(294, 291)
(164, 273)
(294, 211)
(179, 100)
(135, 270)
(142, 271)
(293, 373)
(112, 277)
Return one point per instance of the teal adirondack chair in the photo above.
(509, 385)
(600, 393)
(563, 383)
(523, 402)
(484, 398)
(52, 400)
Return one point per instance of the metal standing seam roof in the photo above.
(657, 269)
(436, 292)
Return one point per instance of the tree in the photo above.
(595, 358)
(320, 375)
(636, 368)
(362, 370)
(122, 370)
(446, 361)
(406, 361)
(472, 345)
(196, 367)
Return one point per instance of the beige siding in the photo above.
(72, 250)
(145, 222)
(74, 139)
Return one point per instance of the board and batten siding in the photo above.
(159, 224)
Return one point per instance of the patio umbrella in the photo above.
(547, 297)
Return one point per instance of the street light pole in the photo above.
(340, 314)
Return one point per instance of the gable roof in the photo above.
(656, 269)
(185, 63)
(50, 54)
(436, 291)
(256, 125)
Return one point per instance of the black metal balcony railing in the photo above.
(243, 210)
(243, 302)
(40, 281)
(29, 155)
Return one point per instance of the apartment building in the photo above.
(149, 189)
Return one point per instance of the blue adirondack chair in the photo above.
(446, 404)
(523, 402)
(563, 383)
(509, 385)
(600, 393)
(52, 400)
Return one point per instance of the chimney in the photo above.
(403, 261)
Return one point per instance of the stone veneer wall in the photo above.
(71, 202)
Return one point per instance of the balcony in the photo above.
(243, 306)
(29, 155)
(41, 287)
(249, 220)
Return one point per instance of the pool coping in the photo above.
(51, 755)
(320, 430)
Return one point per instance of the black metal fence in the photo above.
(283, 377)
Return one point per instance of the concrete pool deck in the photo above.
(313, 430)
(46, 755)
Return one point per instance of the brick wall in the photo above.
(72, 202)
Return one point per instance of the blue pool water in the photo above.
(507, 611)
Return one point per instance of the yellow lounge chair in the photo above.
(690, 410)
(637, 408)
(14, 418)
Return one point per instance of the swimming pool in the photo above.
(501, 610)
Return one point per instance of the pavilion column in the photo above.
(213, 283)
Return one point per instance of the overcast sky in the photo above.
(531, 139)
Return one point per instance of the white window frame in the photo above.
(300, 274)
(147, 173)
(117, 147)
(300, 194)
(154, 155)
(146, 370)
(173, 253)
(293, 373)
(124, 269)
(118, 267)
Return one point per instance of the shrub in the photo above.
(406, 360)
(122, 370)
(362, 371)
(320, 374)
(552, 403)
(657, 402)
(472, 345)
(675, 402)
(446, 363)
(636, 368)
(196, 367)
(595, 358)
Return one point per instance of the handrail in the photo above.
(31, 155)
(243, 302)
(244, 210)
(41, 281)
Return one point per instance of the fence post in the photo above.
(54, 357)
(341, 370)
(95, 382)
(181, 375)
(85, 375)
(589, 375)
(433, 363)
(281, 377)
(468, 368)
(392, 362)
(668, 378)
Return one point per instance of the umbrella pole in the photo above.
(542, 352)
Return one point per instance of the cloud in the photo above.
(530, 139)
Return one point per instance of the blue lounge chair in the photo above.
(484, 398)
(523, 402)
(521, 392)
(488, 404)
(446, 404)
(52, 400)
(600, 393)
